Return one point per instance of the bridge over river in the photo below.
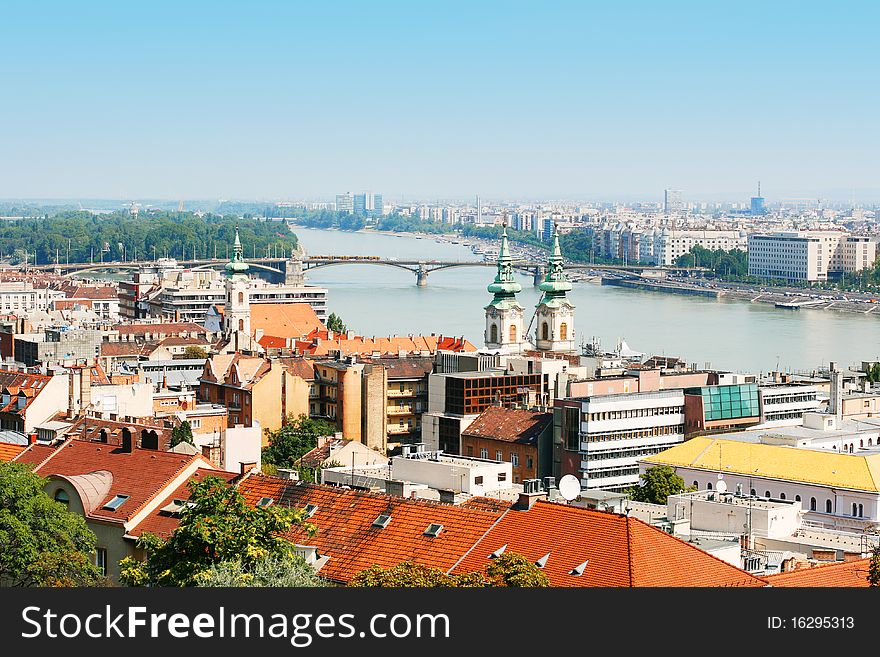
(281, 267)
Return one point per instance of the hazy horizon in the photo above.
(276, 101)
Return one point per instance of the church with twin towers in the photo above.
(506, 330)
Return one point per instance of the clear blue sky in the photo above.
(442, 99)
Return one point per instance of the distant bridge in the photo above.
(420, 268)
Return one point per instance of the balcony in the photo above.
(400, 410)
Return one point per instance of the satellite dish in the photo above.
(721, 475)
(569, 487)
(721, 487)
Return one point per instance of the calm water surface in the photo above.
(378, 300)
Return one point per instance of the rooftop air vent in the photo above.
(497, 553)
(433, 530)
(579, 569)
(382, 521)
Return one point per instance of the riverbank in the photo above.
(786, 301)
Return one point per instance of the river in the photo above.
(724, 334)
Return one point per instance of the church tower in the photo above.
(504, 315)
(237, 314)
(555, 313)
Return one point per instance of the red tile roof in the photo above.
(167, 328)
(161, 523)
(512, 425)
(285, 320)
(619, 550)
(35, 454)
(9, 451)
(846, 574)
(344, 519)
(141, 474)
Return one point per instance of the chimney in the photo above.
(127, 440)
(247, 466)
(287, 473)
(532, 492)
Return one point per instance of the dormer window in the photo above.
(433, 530)
(264, 502)
(311, 509)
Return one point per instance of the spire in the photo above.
(505, 285)
(556, 283)
(237, 267)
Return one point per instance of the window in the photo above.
(781, 496)
(311, 509)
(241, 297)
(696, 484)
(709, 486)
(484, 453)
(797, 498)
(62, 496)
(470, 450)
(265, 501)
(854, 509)
(101, 560)
(530, 464)
(767, 494)
(514, 459)
(812, 504)
(861, 511)
(545, 331)
(116, 502)
(563, 331)
(512, 333)
(502, 476)
(828, 506)
(195, 424)
(493, 333)
(499, 455)
(478, 481)
(382, 521)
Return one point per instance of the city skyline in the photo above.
(498, 100)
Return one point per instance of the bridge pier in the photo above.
(422, 276)
(538, 276)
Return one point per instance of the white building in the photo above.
(809, 256)
(20, 296)
(785, 405)
(613, 432)
(836, 490)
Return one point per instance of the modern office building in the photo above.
(601, 439)
(721, 407)
(786, 404)
(809, 256)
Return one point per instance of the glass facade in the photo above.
(729, 402)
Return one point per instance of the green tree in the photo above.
(874, 567)
(335, 323)
(657, 484)
(294, 439)
(509, 570)
(42, 543)
(216, 526)
(194, 351)
(281, 571)
(182, 434)
(413, 575)
(514, 570)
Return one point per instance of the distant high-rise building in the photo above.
(672, 202)
(376, 210)
(344, 202)
(359, 203)
(758, 202)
